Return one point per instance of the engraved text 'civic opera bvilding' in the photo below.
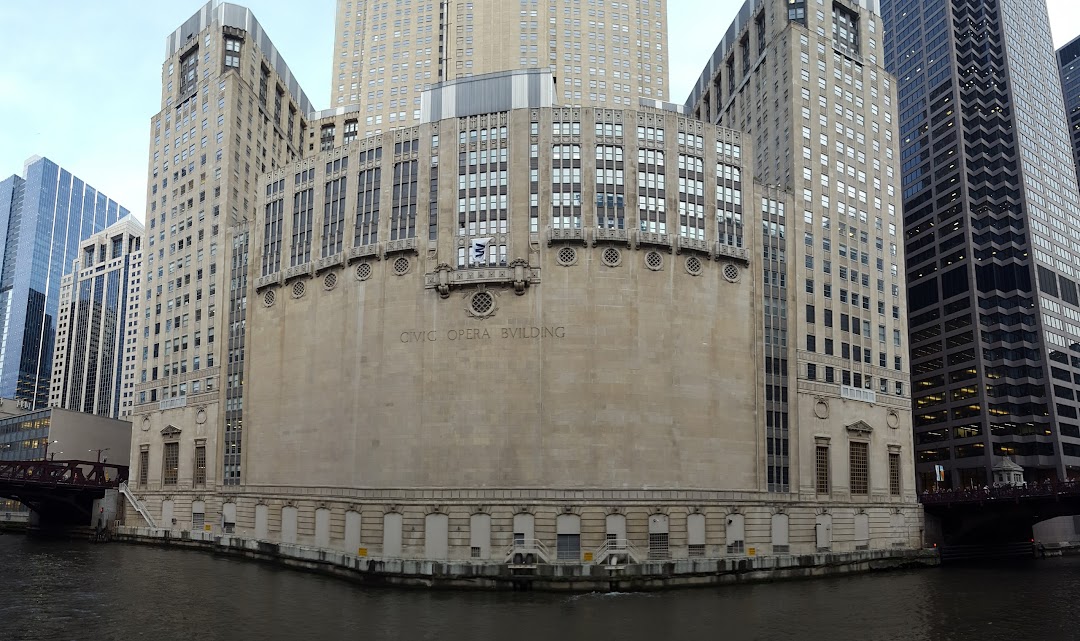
(483, 333)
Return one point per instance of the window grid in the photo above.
(894, 473)
(658, 546)
(821, 469)
(170, 464)
(199, 477)
(860, 478)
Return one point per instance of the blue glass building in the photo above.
(44, 215)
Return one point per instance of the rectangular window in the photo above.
(144, 464)
(860, 477)
(658, 546)
(333, 217)
(894, 473)
(170, 464)
(568, 547)
(821, 469)
(200, 465)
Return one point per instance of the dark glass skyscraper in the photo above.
(1069, 62)
(992, 228)
(44, 215)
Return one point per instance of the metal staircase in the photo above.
(527, 553)
(616, 552)
(137, 504)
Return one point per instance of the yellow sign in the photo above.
(588, 556)
(207, 527)
(361, 551)
(751, 551)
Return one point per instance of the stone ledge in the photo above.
(566, 577)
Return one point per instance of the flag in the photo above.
(478, 251)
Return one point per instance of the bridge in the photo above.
(996, 517)
(60, 493)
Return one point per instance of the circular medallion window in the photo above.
(298, 289)
(566, 256)
(611, 257)
(653, 260)
(482, 303)
(731, 272)
(363, 271)
(693, 266)
(268, 298)
(330, 281)
(401, 266)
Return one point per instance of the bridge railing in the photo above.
(1003, 492)
(71, 473)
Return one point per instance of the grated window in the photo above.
(482, 303)
(654, 261)
(859, 472)
(821, 469)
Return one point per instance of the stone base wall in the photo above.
(712, 522)
(579, 577)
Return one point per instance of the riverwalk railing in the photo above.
(1003, 492)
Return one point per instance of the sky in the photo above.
(79, 81)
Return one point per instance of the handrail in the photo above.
(137, 504)
(616, 548)
(525, 547)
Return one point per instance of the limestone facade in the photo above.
(606, 55)
(604, 372)
(230, 110)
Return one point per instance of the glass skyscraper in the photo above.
(992, 228)
(44, 215)
(1069, 61)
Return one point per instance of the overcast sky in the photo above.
(80, 80)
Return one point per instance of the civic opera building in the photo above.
(520, 332)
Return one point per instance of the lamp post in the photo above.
(45, 455)
(99, 452)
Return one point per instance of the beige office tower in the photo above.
(230, 111)
(806, 82)
(601, 53)
(94, 360)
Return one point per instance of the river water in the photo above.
(73, 590)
